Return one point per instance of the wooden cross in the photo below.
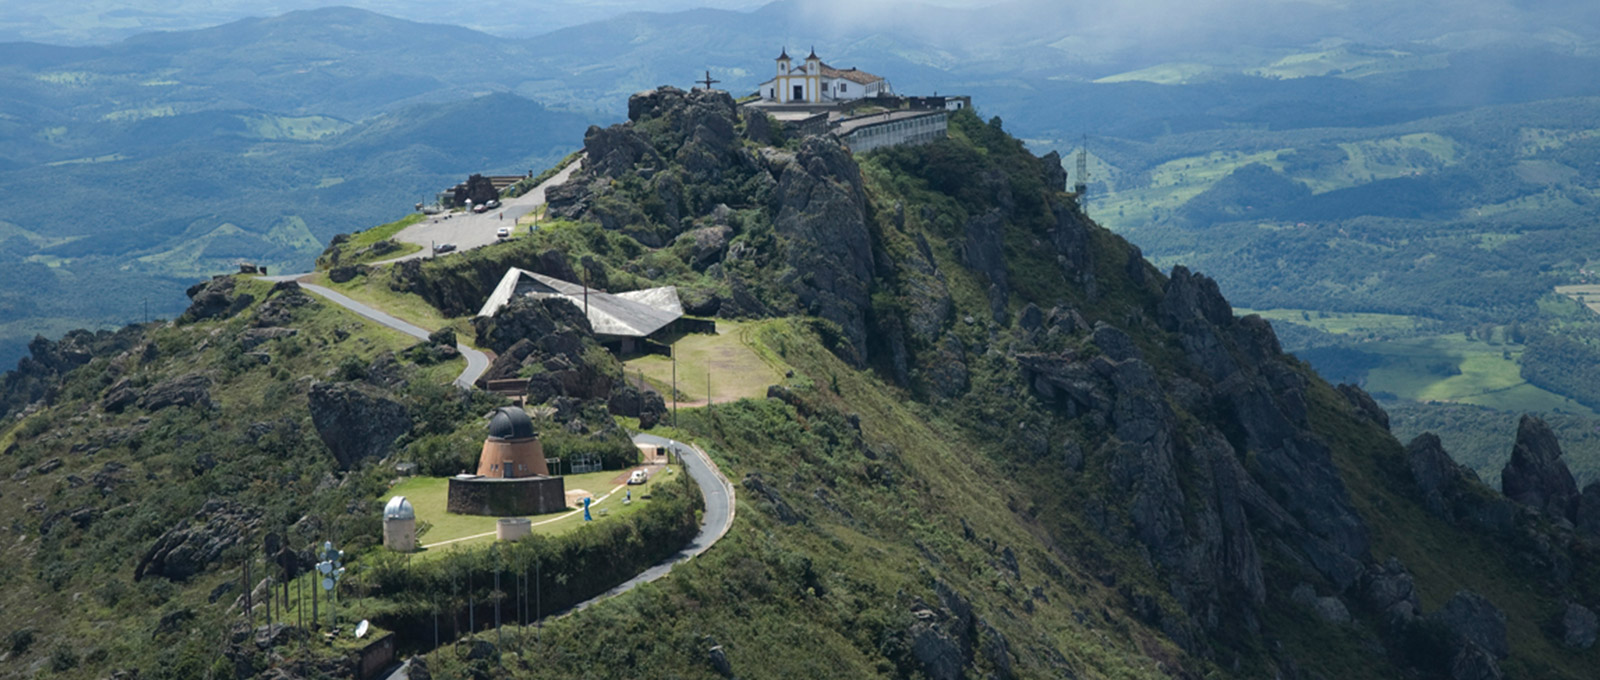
(708, 82)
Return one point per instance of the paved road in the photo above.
(475, 230)
(477, 362)
(714, 524)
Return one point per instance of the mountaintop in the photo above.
(1004, 445)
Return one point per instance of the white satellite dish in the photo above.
(361, 629)
(324, 567)
(327, 584)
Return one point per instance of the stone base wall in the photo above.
(507, 497)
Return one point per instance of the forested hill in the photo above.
(1003, 445)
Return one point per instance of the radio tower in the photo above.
(1082, 186)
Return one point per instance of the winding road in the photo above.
(477, 362)
(714, 486)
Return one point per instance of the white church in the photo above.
(814, 82)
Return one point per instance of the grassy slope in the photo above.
(77, 583)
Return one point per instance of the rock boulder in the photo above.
(354, 424)
(1536, 476)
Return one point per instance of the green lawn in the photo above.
(738, 368)
(1339, 323)
(1451, 368)
(373, 290)
(429, 495)
(367, 237)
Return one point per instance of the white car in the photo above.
(638, 477)
(503, 232)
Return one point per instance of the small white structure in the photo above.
(512, 529)
(399, 525)
(814, 82)
(895, 128)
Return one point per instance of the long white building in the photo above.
(813, 82)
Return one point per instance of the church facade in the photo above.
(814, 82)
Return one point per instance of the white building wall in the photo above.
(919, 130)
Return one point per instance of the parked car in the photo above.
(444, 247)
(503, 232)
(638, 477)
(492, 204)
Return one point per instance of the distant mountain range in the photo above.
(168, 155)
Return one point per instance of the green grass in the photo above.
(1419, 369)
(373, 290)
(738, 368)
(1340, 323)
(429, 496)
(367, 237)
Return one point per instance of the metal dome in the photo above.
(399, 508)
(510, 422)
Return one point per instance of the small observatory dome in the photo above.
(399, 508)
(509, 423)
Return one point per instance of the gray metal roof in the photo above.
(634, 314)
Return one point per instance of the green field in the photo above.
(448, 531)
(1358, 324)
(1450, 368)
(731, 360)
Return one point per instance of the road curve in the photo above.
(468, 230)
(714, 524)
(477, 362)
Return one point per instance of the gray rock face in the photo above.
(214, 299)
(772, 499)
(278, 310)
(615, 150)
(356, 425)
(1435, 473)
(551, 323)
(1055, 174)
(647, 406)
(1588, 519)
(189, 390)
(829, 250)
(187, 549)
(1474, 618)
(707, 245)
(1578, 626)
(1472, 662)
(1365, 405)
(1389, 588)
(984, 251)
(1536, 476)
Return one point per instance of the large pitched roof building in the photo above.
(814, 82)
(622, 318)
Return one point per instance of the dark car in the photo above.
(444, 247)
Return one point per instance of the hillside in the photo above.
(1004, 445)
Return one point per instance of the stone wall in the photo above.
(507, 497)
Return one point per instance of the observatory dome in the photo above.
(399, 508)
(510, 422)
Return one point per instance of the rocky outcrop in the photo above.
(355, 424)
(707, 245)
(632, 402)
(829, 253)
(188, 390)
(1579, 626)
(1477, 621)
(279, 309)
(942, 637)
(1365, 405)
(1536, 476)
(1588, 519)
(214, 299)
(555, 324)
(185, 550)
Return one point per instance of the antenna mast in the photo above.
(1082, 187)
